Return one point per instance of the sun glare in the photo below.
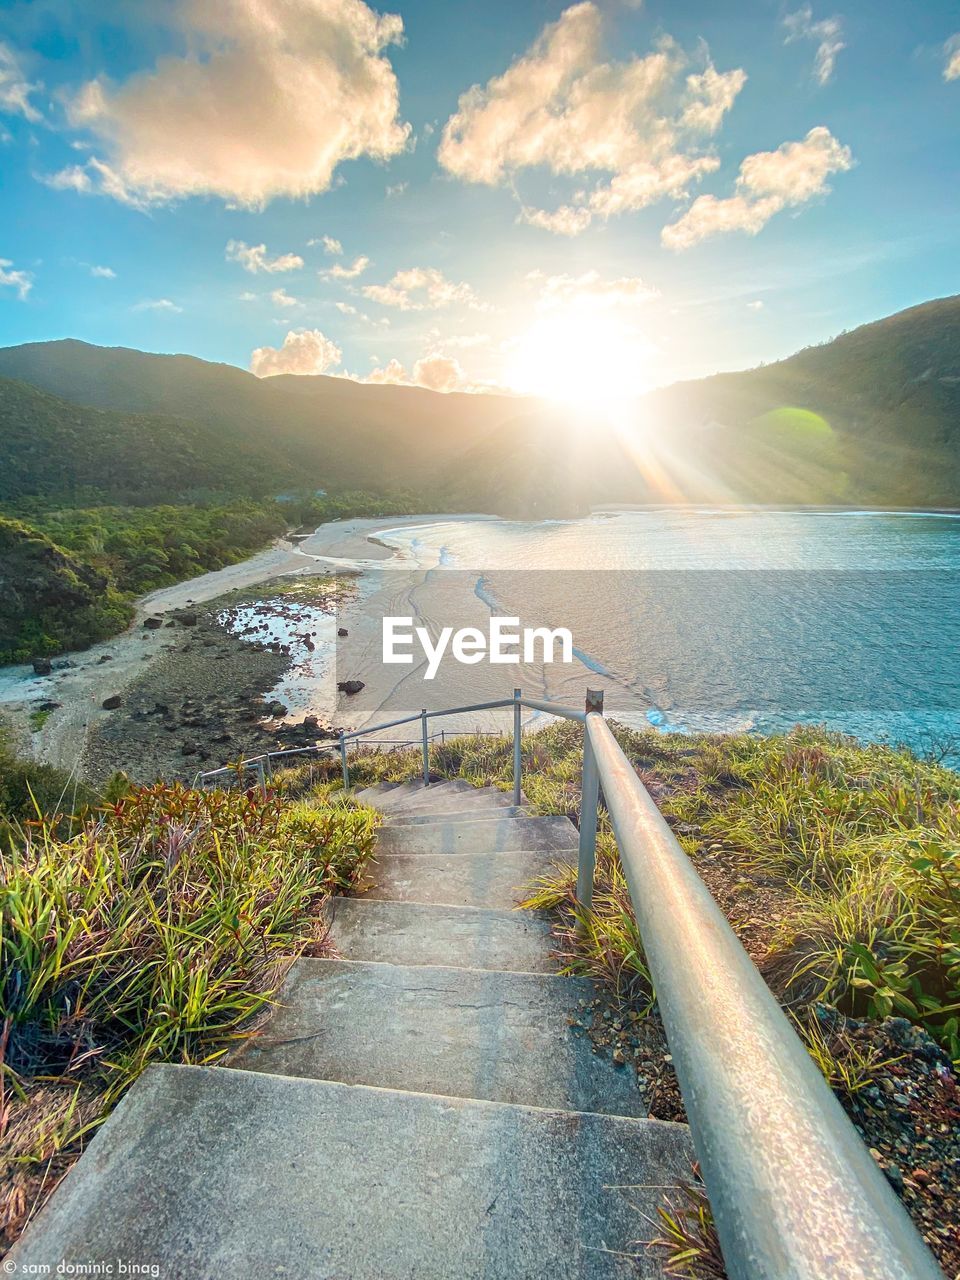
(582, 357)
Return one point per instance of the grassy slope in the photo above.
(838, 866)
(155, 934)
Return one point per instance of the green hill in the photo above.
(328, 432)
(52, 448)
(870, 417)
(46, 594)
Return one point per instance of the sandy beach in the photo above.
(141, 662)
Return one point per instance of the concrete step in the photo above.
(450, 802)
(311, 1180)
(506, 836)
(476, 814)
(464, 1033)
(409, 933)
(414, 795)
(459, 879)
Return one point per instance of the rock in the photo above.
(105, 657)
(186, 619)
(342, 631)
(43, 666)
(189, 749)
(276, 709)
(49, 706)
(311, 723)
(152, 624)
(350, 686)
(111, 703)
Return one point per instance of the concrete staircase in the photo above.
(415, 1110)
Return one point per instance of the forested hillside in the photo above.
(159, 467)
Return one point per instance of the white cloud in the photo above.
(157, 304)
(253, 258)
(15, 89)
(827, 34)
(280, 298)
(756, 305)
(356, 268)
(267, 101)
(769, 182)
(247, 296)
(394, 372)
(330, 245)
(634, 129)
(397, 189)
(103, 273)
(75, 177)
(419, 289)
(565, 221)
(436, 372)
(951, 49)
(593, 289)
(22, 281)
(305, 351)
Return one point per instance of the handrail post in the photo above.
(517, 759)
(589, 800)
(426, 747)
(343, 763)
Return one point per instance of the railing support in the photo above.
(589, 800)
(426, 747)
(517, 757)
(343, 762)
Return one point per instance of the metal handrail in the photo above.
(795, 1194)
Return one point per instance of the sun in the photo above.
(581, 356)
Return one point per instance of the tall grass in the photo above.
(156, 933)
(862, 841)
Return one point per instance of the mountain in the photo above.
(325, 431)
(870, 417)
(53, 448)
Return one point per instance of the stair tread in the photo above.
(459, 879)
(467, 1033)
(312, 1179)
(524, 834)
(476, 814)
(411, 933)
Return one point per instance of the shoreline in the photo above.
(226, 674)
(82, 681)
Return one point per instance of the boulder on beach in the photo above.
(350, 686)
(152, 624)
(43, 666)
(111, 703)
(342, 631)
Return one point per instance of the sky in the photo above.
(476, 195)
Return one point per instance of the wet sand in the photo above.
(138, 664)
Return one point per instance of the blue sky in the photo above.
(631, 194)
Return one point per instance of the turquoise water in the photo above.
(718, 620)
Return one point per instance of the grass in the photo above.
(39, 718)
(837, 864)
(857, 848)
(157, 933)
